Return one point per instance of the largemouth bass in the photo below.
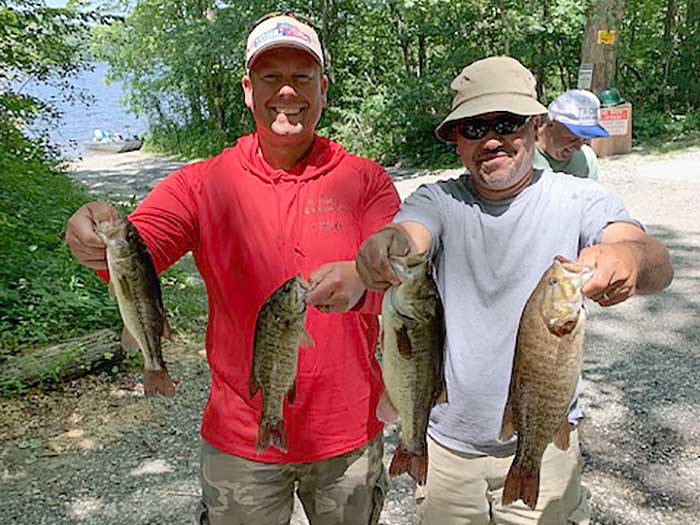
(413, 335)
(546, 368)
(134, 281)
(279, 331)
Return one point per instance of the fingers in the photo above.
(85, 245)
(321, 294)
(373, 263)
(614, 277)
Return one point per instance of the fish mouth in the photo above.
(579, 273)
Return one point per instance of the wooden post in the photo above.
(601, 40)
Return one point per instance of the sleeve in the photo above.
(423, 206)
(592, 161)
(381, 204)
(601, 207)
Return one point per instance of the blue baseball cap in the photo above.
(579, 111)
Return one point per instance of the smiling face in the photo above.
(500, 165)
(286, 91)
(558, 141)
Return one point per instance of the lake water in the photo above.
(80, 120)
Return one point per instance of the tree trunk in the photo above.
(65, 361)
(604, 15)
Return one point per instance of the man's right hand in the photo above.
(372, 260)
(87, 248)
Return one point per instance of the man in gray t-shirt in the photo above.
(491, 235)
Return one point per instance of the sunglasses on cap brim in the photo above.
(477, 128)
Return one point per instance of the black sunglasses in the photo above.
(476, 128)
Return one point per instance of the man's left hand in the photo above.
(615, 275)
(337, 287)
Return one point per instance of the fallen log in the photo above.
(62, 362)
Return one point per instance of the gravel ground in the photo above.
(97, 452)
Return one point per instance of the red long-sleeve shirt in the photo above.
(251, 227)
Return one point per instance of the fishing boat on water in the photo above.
(108, 142)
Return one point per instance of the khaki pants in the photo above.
(463, 489)
(346, 489)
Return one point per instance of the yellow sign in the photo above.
(607, 38)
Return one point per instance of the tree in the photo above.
(40, 44)
(600, 43)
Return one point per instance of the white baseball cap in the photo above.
(282, 31)
(578, 110)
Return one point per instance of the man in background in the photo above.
(572, 118)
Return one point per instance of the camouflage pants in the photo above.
(346, 489)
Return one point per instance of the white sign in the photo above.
(585, 76)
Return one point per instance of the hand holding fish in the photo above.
(615, 274)
(373, 259)
(336, 287)
(85, 245)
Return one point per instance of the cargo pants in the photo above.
(347, 489)
(465, 489)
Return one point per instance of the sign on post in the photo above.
(607, 37)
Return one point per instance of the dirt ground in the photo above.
(97, 452)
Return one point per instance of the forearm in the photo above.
(419, 237)
(654, 263)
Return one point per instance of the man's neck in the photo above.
(490, 194)
(284, 156)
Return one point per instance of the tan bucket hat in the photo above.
(282, 31)
(491, 84)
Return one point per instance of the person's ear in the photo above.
(247, 84)
(324, 89)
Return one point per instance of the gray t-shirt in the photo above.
(488, 257)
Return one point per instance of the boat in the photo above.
(107, 142)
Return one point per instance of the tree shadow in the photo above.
(641, 396)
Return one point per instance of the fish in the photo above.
(279, 332)
(134, 282)
(412, 350)
(546, 368)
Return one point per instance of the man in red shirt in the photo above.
(282, 201)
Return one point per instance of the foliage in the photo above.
(40, 44)
(44, 295)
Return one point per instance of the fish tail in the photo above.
(405, 461)
(521, 483)
(273, 434)
(158, 382)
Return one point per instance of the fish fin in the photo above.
(110, 289)
(404, 342)
(521, 484)
(128, 341)
(292, 392)
(271, 435)
(404, 461)
(167, 330)
(441, 395)
(307, 340)
(561, 437)
(386, 413)
(507, 429)
(157, 382)
(253, 386)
